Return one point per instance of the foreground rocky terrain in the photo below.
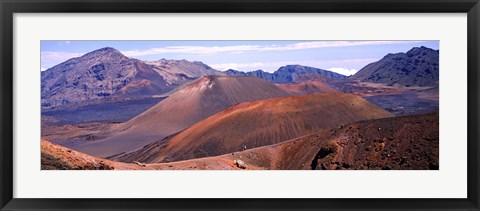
(395, 143)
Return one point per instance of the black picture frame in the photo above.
(9, 7)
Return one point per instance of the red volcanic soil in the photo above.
(397, 143)
(193, 103)
(56, 157)
(307, 87)
(408, 142)
(259, 123)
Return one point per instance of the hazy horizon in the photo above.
(344, 57)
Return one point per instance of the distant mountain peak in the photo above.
(107, 49)
(390, 55)
(286, 74)
(420, 50)
(417, 67)
(107, 74)
(104, 52)
(259, 71)
(198, 62)
(201, 64)
(294, 67)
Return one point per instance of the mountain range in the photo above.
(417, 67)
(286, 74)
(297, 117)
(106, 74)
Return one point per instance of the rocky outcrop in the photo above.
(240, 164)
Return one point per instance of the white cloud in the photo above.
(343, 71)
(249, 48)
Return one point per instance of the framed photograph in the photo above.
(260, 105)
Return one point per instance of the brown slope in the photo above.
(195, 102)
(56, 157)
(408, 142)
(397, 143)
(258, 124)
(307, 87)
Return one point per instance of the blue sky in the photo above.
(345, 57)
